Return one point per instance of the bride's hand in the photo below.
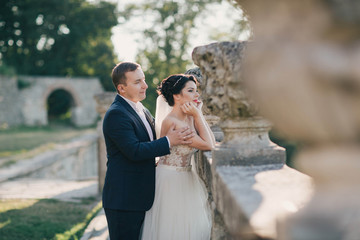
(191, 109)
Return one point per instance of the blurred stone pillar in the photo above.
(103, 102)
(303, 69)
(246, 140)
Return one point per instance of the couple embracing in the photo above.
(143, 199)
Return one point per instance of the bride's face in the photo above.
(188, 94)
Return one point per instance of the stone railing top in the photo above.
(252, 199)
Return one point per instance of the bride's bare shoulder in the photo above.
(169, 120)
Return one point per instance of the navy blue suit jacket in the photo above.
(130, 176)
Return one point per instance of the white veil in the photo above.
(162, 110)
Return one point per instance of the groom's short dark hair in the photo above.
(118, 72)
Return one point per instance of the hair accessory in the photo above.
(177, 81)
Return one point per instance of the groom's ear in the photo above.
(120, 88)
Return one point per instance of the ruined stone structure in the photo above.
(10, 113)
(28, 105)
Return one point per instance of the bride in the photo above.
(180, 209)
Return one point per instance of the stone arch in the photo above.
(69, 89)
(65, 87)
(64, 102)
(32, 100)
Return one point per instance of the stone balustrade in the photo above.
(250, 188)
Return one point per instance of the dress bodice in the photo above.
(180, 156)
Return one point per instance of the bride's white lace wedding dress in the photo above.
(180, 210)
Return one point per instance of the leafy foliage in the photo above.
(50, 37)
(291, 147)
(166, 39)
(6, 70)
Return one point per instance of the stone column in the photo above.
(246, 140)
(303, 71)
(103, 102)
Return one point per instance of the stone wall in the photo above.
(75, 160)
(27, 106)
(10, 111)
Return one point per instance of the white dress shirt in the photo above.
(139, 109)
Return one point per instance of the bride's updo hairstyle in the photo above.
(173, 85)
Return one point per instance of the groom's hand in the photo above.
(179, 136)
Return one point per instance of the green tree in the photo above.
(165, 44)
(51, 37)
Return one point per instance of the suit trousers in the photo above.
(124, 225)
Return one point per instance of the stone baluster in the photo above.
(303, 71)
(103, 102)
(246, 140)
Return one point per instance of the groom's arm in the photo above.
(119, 128)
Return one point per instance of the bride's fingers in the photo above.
(187, 142)
(184, 108)
(188, 108)
(186, 139)
(190, 105)
(185, 131)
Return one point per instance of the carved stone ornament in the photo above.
(222, 88)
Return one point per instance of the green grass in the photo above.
(45, 218)
(41, 219)
(26, 142)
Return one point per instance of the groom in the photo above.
(131, 150)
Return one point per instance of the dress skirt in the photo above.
(180, 210)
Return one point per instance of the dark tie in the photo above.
(151, 121)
